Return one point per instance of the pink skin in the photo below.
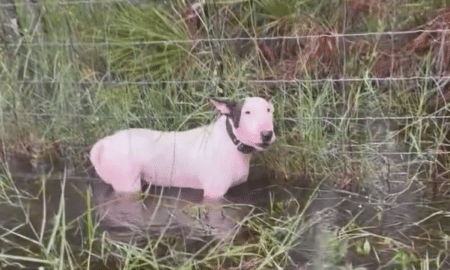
(202, 158)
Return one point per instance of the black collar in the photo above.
(243, 148)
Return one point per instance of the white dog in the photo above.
(212, 158)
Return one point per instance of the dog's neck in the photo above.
(241, 147)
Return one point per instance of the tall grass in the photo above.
(91, 68)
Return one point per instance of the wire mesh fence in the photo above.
(357, 92)
(360, 90)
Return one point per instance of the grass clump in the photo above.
(149, 41)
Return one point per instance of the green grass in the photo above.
(92, 68)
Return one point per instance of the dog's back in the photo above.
(160, 158)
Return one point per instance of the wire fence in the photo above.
(74, 2)
(324, 118)
(438, 87)
(234, 39)
(383, 163)
(265, 81)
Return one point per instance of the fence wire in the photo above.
(330, 118)
(74, 2)
(440, 79)
(265, 81)
(232, 39)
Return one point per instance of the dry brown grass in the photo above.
(360, 8)
(315, 56)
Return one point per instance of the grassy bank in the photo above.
(359, 88)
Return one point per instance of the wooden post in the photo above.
(9, 31)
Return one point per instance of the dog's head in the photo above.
(252, 120)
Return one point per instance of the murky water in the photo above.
(392, 207)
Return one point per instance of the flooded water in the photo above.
(391, 208)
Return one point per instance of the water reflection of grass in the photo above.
(89, 69)
(40, 227)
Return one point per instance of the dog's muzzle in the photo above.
(266, 138)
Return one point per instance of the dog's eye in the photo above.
(247, 112)
(268, 109)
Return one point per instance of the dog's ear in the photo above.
(268, 99)
(223, 106)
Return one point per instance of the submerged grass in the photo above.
(83, 70)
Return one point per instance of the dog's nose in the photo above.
(266, 136)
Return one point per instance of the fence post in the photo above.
(34, 25)
(9, 25)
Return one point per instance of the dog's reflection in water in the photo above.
(172, 211)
